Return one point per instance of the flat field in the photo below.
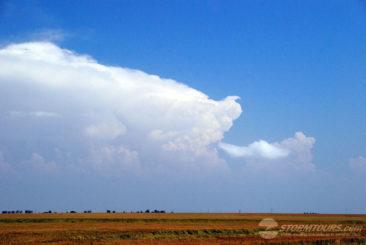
(181, 228)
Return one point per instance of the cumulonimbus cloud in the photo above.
(71, 103)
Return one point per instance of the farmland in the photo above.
(173, 228)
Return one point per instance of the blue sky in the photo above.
(297, 66)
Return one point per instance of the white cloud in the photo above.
(107, 130)
(357, 164)
(109, 159)
(257, 149)
(44, 114)
(51, 35)
(105, 107)
(39, 164)
(292, 152)
(34, 113)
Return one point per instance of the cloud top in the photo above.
(87, 107)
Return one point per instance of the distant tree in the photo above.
(147, 211)
(73, 212)
(108, 211)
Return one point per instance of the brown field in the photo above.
(170, 228)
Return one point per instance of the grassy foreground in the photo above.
(174, 228)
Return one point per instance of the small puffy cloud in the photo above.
(257, 149)
(294, 152)
(101, 108)
(300, 147)
(357, 164)
(39, 164)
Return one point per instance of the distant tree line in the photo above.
(148, 211)
(17, 212)
(85, 211)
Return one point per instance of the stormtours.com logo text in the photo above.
(272, 229)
